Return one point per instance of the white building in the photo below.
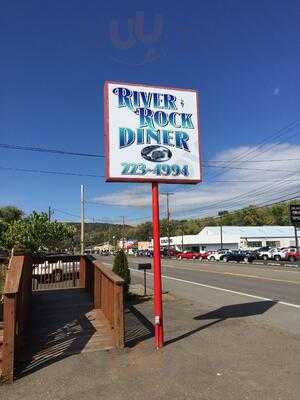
(234, 237)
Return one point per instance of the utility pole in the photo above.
(123, 234)
(82, 219)
(296, 239)
(181, 238)
(221, 215)
(168, 219)
(50, 212)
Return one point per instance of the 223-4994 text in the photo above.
(159, 169)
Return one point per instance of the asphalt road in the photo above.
(219, 284)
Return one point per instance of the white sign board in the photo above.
(151, 134)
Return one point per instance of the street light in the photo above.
(221, 215)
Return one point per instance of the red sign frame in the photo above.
(106, 138)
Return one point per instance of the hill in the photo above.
(249, 216)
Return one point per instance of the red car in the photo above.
(293, 255)
(203, 256)
(191, 255)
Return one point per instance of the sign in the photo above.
(151, 134)
(295, 214)
(144, 266)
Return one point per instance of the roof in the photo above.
(232, 234)
(250, 231)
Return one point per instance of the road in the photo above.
(222, 284)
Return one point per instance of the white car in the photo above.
(273, 254)
(215, 255)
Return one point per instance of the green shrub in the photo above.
(2, 279)
(120, 268)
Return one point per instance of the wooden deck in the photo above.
(63, 322)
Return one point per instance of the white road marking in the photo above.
(221, 289)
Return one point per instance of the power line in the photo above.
(262, 205)
(261, 144)
(253, 161)
(237, 204)
(66, 213)
(47, 150)
(51, 172)
(40, 171)
(92, 155)
(246, 168)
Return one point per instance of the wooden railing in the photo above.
(106, 289)
(55, 272)
(17, 296)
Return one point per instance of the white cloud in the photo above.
(247, 183)
(276, 91)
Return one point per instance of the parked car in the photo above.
(188, 255)
(237, 256)
(272, 254)
(293, 255)
(215, 255)
(204, 255)
(168, 253)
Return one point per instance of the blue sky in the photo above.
(243, 57)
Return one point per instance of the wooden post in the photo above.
(118, 315)
(8, 356)
(82, 272)
(97, 288)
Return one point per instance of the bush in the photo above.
(120, 268)
(2, 281)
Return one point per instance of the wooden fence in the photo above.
(17, 296)
(55, 272)
(106, 289)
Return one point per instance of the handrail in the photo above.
(107, 291)
(13, 275)
(17, 296)
(54, 258)
(105, 287)
(108, 273)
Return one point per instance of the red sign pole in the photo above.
(158, 311)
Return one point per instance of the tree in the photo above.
(120, 268)
(38, 235)
(9, 214)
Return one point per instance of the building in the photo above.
(103, 247)
(145, 246)
(234, 237)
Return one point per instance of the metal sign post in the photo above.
(152, 135)
(158, 311)
(144, 267)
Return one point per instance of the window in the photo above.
(254, 244)
(273, 243)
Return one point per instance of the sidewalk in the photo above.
(209, 354)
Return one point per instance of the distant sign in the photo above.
(151, 134)
(295, 214)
